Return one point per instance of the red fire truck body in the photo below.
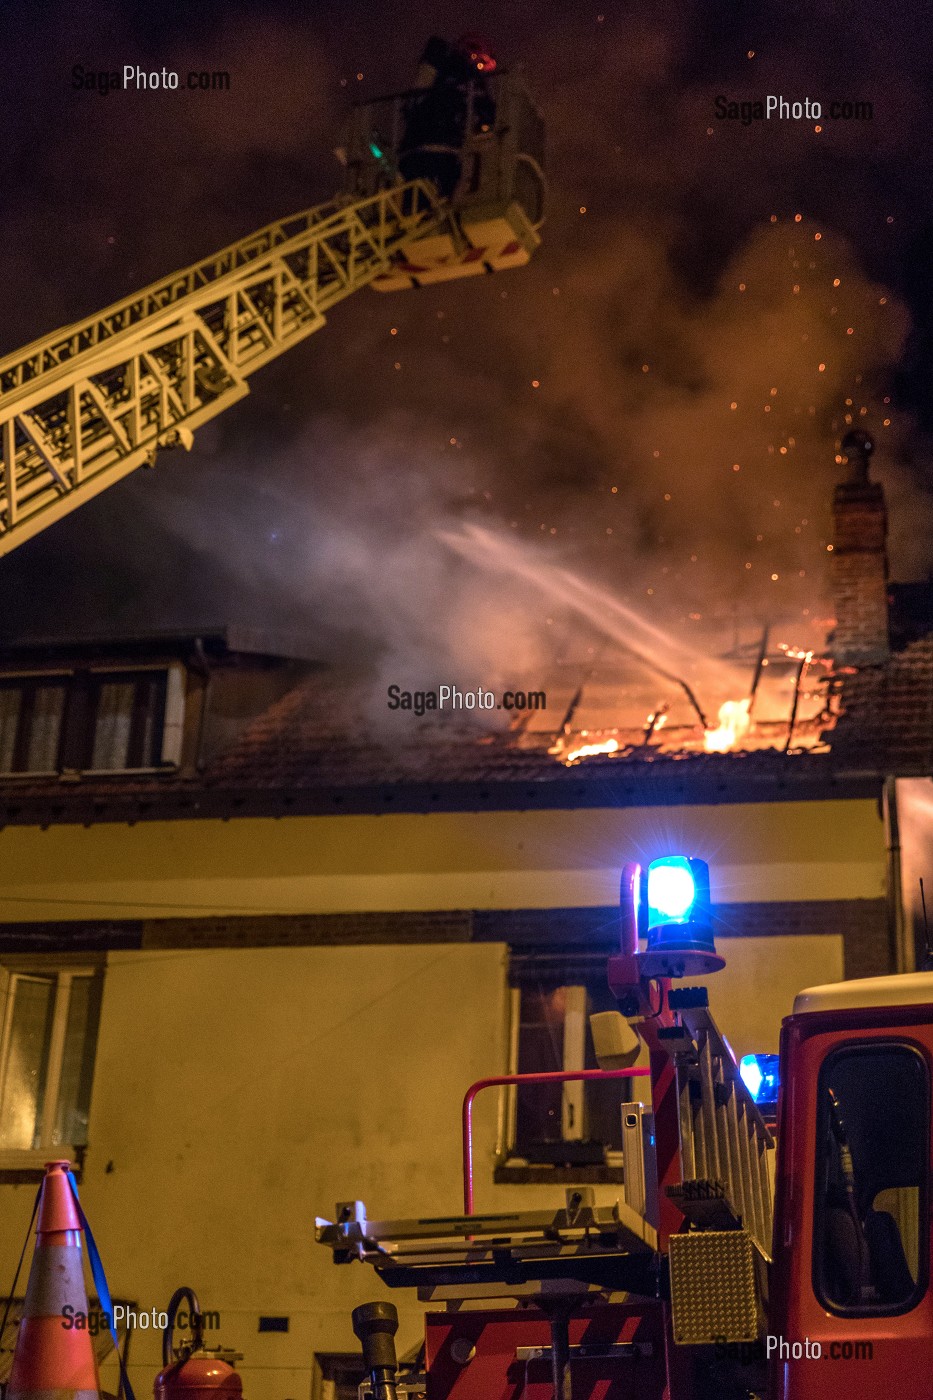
(727, 1270)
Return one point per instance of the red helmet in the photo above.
(477, 51)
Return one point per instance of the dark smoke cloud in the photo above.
(322, 498)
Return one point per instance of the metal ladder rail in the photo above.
(49, 352)
(723, 1138)
(89, 421)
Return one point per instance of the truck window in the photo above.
(871, 1235)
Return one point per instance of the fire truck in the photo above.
(772, 1238)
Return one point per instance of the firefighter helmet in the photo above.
(477, 53)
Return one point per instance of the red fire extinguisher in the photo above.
(193, 1371)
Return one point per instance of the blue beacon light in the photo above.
(672, 890)
(676, 919)
(762, 1078)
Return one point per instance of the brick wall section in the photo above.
(862, 922)
(550, 936)
(860, 573)
(867, 942)
(92, 937)
(860, 519)
(304, 930)
(804, 916)
(887, 715)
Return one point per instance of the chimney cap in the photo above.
(857, 447)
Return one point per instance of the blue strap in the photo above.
(100, 1283)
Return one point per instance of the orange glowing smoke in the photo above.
(734, 723)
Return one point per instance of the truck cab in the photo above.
(851, 1306)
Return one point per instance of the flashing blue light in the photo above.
(751, 1073)
(676, 920)
(761, 1075)
(375, 150)
(672, 890)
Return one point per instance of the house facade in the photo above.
(252, 957)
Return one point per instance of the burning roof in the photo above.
(317, 751)
(626, 713)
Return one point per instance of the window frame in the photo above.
(323, 1361)
(75, 731)
(100, 678)
(28, 682)
(865, 1311)
(64, 975)
(510, 1165)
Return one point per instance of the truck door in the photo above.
(852, 1310)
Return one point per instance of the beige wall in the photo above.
(756, 988)
(487, 860)
(238, 1093)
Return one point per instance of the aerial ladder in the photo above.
(83, 407)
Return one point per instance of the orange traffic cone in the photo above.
(52, 1360)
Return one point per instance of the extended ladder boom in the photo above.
(86, 405)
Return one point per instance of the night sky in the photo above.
(643, 404)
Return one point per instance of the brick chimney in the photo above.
(860, 560)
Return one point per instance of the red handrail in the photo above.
(551, 1077)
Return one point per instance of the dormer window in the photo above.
(31, 715)
(99, 720)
